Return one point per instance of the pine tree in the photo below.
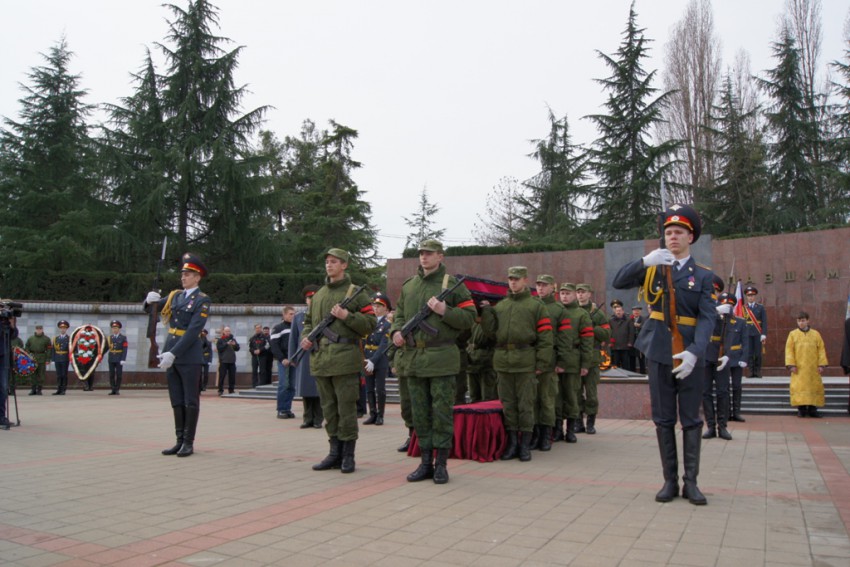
(628, 167)
(735, 204)
(421, 222)
(53, 216)
(502, 223)
(796, 199)
(552, 207)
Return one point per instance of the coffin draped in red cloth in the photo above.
(479, 433)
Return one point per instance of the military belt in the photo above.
(371, 347)
(432, 344)
(715, 338)
(680, 319)
(177, 332)
(736, 347)
(514, 346)
(339, 340)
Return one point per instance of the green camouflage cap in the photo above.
(518, 272)
(568, 286)
(584, 287)
(339, 253)
(546, 278)
(431, 245)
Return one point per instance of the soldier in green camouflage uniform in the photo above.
(40, 346)
(579, 358)
(400, 370)
(482, 377)
(337, 362)
(547, 381)
(520, 324)
(434, 358)
(462, 376)
(601, 334)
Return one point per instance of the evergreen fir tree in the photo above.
(625, 201)
(53, 217)
(421, 222)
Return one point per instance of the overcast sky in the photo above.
(445, 94)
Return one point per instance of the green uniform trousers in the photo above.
(518, 390)
(433, 410)
(339, 404)
(547, 397)
(589, 383)
(406, 405)
(570, 395)
(482, 385)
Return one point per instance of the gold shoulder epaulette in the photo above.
(703, 266)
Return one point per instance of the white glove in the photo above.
(166, 359)
(763, 338)
(370, 366)
(742, 364)
(722, 362)
(689, 361)
(724, 309)
(153, 297)
(121, 362)
(659, 257)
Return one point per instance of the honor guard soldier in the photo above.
(675, 376)
(726, 349)
(117, 356)
(337, 362)
(430, 357)
(547, 381)
(61, 347)
(590, 383)
(186, 311)
(523, 331)
(377, 366)
(580, 359)
(41, 348)
(757, 329)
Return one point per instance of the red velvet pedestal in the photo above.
(479, 433)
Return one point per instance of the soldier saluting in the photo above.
(688, 294)
(186, 312)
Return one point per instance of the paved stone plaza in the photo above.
(83, 483)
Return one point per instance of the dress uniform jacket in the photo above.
(117, 347)
(61, 344)
(735, 345)
(438, 355)
(375, 342)
(760, 316)
(188, 317)
(694, 301)
(340, 357)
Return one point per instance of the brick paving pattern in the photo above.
(83, 484)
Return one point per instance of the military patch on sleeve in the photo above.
(205, 309)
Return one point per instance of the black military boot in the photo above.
(591, 424)
(525, 446)
(571, 430)
(334, 458)
(813, 411)
(736, 406)
(189, 432)
(406, 445)
(347, 465)
(373, 409)
(38, 391)
(382, 403)
(691, 442)
(722, 416)
(535, 437)
(179, 425)
(511, 449)
(559, 430)
(32, 390)
(545, 438)
(580, 424)
(710, 421)
(669, 463)
(441, 473)
(424, 470)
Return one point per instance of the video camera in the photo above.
(10, 309)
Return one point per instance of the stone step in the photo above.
(269, 392)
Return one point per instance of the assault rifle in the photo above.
(322, 328)
(153, 314)
(418, 321)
